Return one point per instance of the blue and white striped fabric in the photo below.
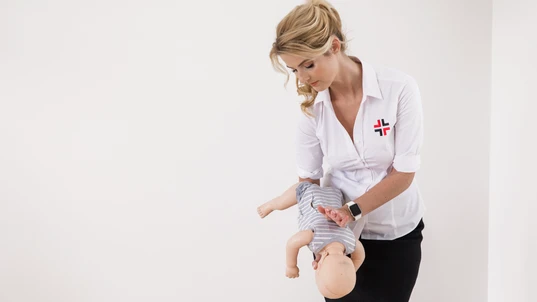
(309, 196)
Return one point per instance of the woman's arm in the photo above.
(387, 189)
(390, 187)
(313, 181)
(308, 152)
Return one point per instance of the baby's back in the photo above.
(309, 197)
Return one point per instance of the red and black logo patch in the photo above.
(382, 127)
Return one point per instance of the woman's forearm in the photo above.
(390, 187)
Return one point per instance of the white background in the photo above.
(137, 139)
(513, 198)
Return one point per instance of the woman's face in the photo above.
(318, 72)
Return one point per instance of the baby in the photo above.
(335, 273)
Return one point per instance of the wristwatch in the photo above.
(354, 209)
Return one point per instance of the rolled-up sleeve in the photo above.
(408, 129)
(309, 155)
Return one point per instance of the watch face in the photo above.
(355, 210)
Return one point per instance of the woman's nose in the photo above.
(303, 77)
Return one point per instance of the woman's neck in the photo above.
(348, 83)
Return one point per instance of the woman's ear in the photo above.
(336, 45)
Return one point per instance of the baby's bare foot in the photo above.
(264, 209)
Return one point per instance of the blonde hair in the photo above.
(307, 31)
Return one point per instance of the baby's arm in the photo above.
(294, 244)
(358, 255)
(282, 202)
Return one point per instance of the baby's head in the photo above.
(335, 275)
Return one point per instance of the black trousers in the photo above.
(389, 271)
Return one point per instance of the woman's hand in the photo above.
(341, 216)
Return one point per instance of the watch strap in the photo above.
(358, 215)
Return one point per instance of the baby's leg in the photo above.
(282, 202)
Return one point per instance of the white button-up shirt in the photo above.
(388, 132)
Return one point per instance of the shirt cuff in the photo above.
(407, 163)
(317, 174)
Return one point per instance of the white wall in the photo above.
(137, 139)
(513, 197)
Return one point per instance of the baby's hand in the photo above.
(315, 262)
(291, 272)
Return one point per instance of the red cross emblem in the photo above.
(382, 127)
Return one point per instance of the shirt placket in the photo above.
(359, 133)
(349, 145)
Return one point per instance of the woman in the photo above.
(365, 125)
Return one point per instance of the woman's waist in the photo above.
(352, 183)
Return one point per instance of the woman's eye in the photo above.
(307, 67)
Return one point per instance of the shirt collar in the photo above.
(370, 83)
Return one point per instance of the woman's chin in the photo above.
(318, 88)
